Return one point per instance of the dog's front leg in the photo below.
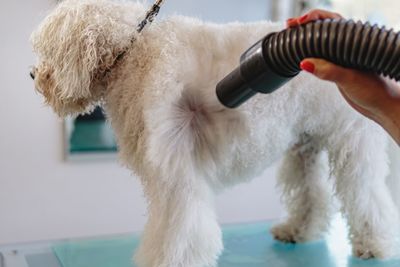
(182, 230)
(150, 249)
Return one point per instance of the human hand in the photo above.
(370, 94)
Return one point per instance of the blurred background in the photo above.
(44, 195)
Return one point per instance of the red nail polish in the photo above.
(307, 66)
(303, 18)
(290, 22)
(290, 19)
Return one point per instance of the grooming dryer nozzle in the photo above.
(253, 75)
(274, 60)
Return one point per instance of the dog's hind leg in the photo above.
(360, 166)
(307, 193)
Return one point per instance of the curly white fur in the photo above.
(186, 147)
(76, 48)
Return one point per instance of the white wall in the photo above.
(41, 196)
(219, 11)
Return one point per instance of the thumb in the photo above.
(326, 70)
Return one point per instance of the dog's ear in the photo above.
(79, 41)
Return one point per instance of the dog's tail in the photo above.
(393, 180)
(193, 132)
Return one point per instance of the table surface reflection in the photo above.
(246, 245)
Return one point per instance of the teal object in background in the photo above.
(248, 245)
(92, 136)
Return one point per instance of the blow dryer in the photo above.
(275, 59)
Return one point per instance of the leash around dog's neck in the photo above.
(150, 16)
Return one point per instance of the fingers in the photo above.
(363, 90)
(328, 71)
(342, 76)
(292, 22)
(314, 14)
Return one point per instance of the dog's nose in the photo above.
(32, 75)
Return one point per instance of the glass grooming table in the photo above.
(246, 245)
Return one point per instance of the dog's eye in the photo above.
(48, 76)
(32, 72)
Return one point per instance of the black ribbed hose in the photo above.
(275, 59)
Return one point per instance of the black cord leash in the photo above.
(150, 15)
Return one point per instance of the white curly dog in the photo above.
(185, 146)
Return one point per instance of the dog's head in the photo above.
(77, 44)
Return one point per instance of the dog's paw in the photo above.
(365, 251)
(286, 233)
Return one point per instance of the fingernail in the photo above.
(307, 66)
(289, 19)
(303, 18)
(290, 22)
